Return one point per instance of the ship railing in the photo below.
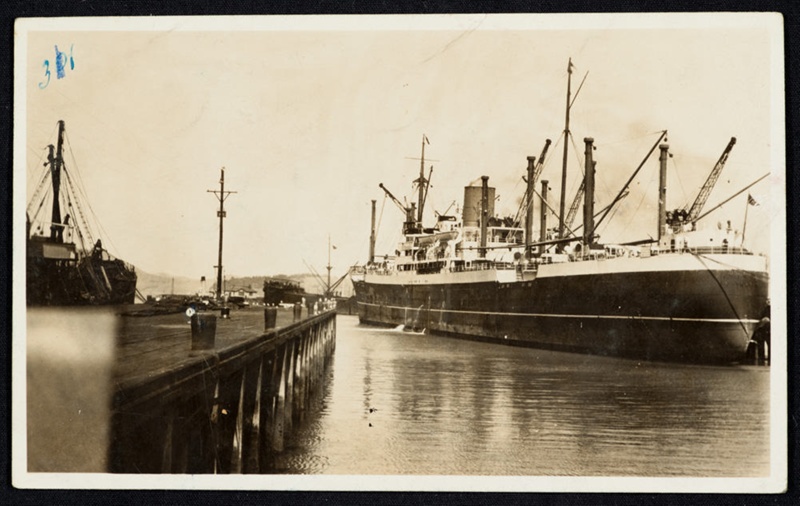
(707, 250)
(483, 266)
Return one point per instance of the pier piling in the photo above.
(226, 410)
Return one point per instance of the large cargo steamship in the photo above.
(691, 295)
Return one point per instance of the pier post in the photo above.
(270, 317)
(204, 329)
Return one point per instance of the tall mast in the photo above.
(566, 152)
(56, 162)
(422, 181)
(221, 196)
(328, 287)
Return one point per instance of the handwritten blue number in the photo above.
(46, 66)
(61, 66)
(61, 60)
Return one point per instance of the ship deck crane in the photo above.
(540, 164)
(537, 171)
(679, 217)
(411, 225)
(576, 202)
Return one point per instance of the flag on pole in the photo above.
(426, 139)
(751, 200)
(332, 246)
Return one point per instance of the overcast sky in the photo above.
(308, 116)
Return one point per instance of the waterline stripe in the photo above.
(584, 316)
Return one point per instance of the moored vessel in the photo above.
(692, 294)
(65, 265)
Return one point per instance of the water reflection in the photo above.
(405, 403)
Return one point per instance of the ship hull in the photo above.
(690, 311)
(89, 281)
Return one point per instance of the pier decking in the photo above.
(128, 394)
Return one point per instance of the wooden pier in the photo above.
(226, 409)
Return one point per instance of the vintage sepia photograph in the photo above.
(413, 252)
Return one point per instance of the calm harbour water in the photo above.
(403, 403)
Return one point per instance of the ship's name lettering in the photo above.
(60, 62)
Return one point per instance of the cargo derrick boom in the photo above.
(410, 226)
(679, 217)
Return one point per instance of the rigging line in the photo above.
(81, 188)
(380, 217)
(83, 224)
(636, 211)
(42, 152)
(578, 155)
(41, 205)
(81, 194)
(611, 218)
(725, 293)
(628, 139)
(45, 172)
(677, 173)
(80, 219)
(729, 266)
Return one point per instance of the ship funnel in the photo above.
(472, 205)
(588, 197)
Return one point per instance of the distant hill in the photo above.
(161, 284)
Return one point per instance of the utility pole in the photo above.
(221, 196)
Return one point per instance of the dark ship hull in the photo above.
(284, 291)
(680, 307)
(94, 279)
